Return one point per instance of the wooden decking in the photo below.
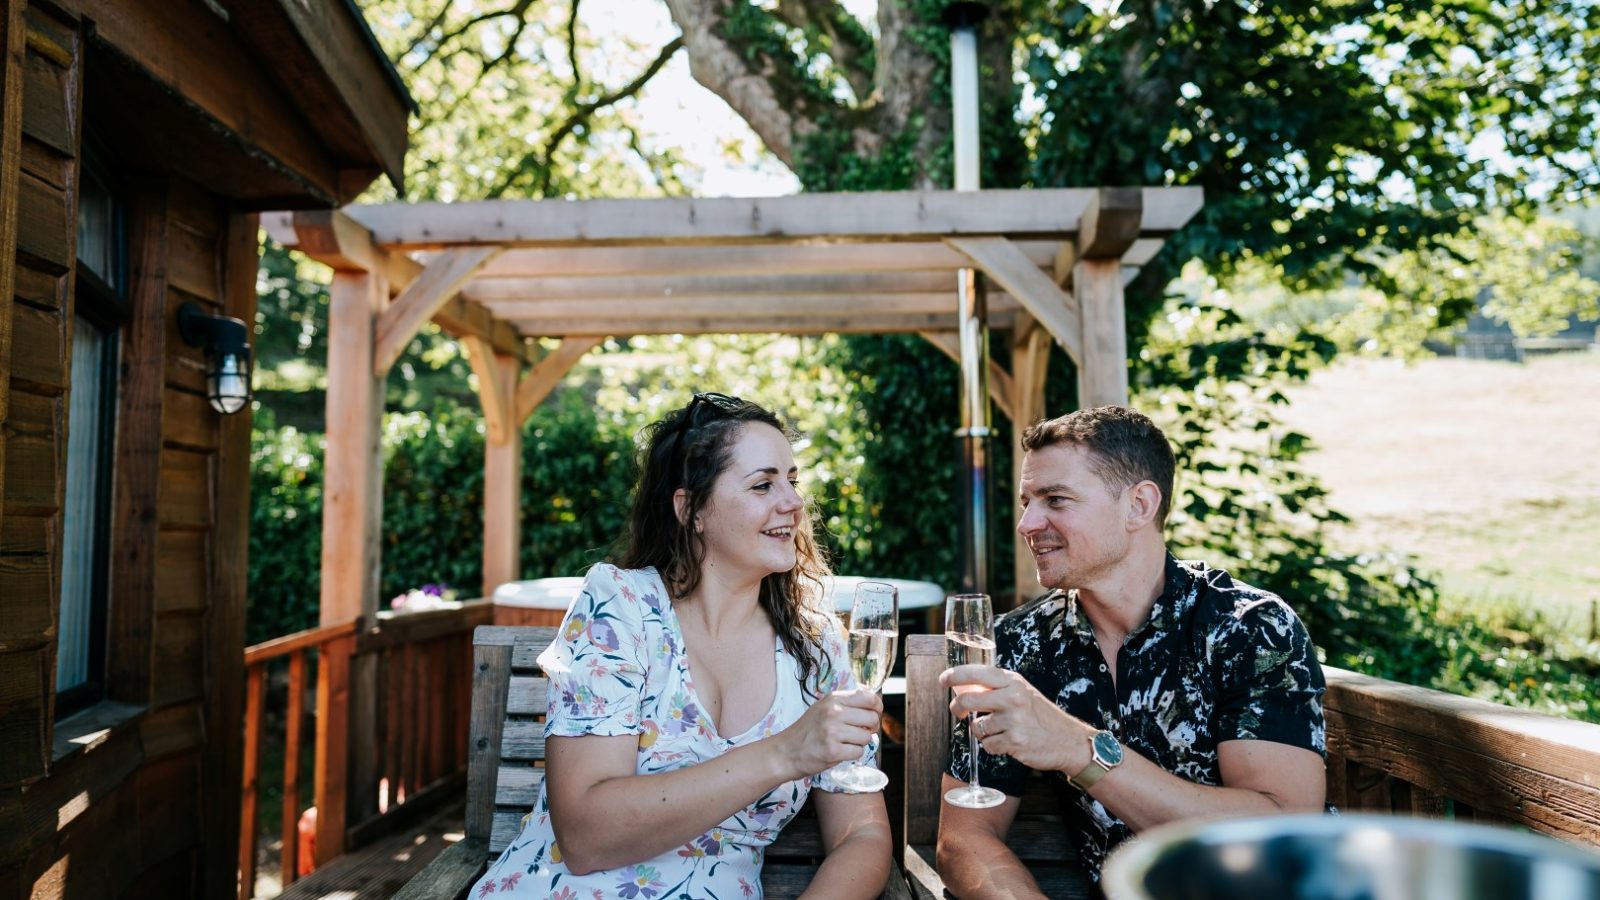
(379, 869)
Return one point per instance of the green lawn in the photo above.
(1488, 472)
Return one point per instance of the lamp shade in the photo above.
(227, 346)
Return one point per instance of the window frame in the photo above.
(106, 307)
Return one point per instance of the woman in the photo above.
(698, 690)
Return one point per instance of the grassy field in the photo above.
(1488, 472)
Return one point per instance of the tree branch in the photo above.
(778, 102)
(849, 45)
(581, 115)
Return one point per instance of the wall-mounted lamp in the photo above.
(227, 344)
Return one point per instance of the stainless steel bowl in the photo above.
(1355, 857)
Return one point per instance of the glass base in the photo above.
(974, 797)
(857, 777)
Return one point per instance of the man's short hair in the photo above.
(1124, 447)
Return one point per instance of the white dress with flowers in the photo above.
(618, 667)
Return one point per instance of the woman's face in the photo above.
(748, 523)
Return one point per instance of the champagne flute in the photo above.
(874, 634)
(969, 632)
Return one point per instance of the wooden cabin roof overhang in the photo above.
(274, 103)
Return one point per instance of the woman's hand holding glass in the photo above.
(874, 637)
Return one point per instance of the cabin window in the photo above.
(91, 421)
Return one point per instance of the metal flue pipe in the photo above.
(973, 436)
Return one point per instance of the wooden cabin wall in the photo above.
(147, 804)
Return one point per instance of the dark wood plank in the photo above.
(13, 64)
(168, 804)
(250, 794)
(187, 420)
(23, 686)
(46, 230)
(180, 571)
(39, 288)
(491, 669)
(137, 489)
(172, 730)
(39, 349)
(927, 736)
(24, 535)
(229, 545)
(450, 874)
(178, 666)
(193, 266)
(48, 114)
(185, 489)
(34, 444)
(47, 165)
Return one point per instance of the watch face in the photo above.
(1107, 748)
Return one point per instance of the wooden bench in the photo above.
(1037, 835)
(505, 767)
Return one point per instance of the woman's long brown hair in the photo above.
(689, 449)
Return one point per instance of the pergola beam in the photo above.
(552, 312)
(424, 296)
(543, 377)
(1000, 389)
(338, 241)
(863, 322)
(489, 290)
(494, 393)
(867, 216)
(579, 260)
(1036, 292)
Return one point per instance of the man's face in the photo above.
(1077, 527)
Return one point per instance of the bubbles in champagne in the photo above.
(872, 656)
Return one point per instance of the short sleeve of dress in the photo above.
(1271, 683)
(834, 674)
(597, 664)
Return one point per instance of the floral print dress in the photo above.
(618, 667)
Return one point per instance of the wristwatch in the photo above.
(1105, 754)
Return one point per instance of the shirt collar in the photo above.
(1177, 598)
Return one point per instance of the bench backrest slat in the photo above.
(505, 761)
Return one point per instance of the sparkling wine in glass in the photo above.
(969, 636)
(874, 635)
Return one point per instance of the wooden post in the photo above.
(1030, 360)
(502, 481)
(13, 44)
(351, 516)
(1107, 229)
(1103, 370)
(230, 546)
(250, 788)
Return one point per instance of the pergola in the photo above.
(498, 274)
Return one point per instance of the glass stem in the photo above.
(972, 744)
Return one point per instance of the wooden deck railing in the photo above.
(409, 677)
(1397, 748)
(327, 641)
(1391, 747)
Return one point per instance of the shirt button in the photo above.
(1102, 667)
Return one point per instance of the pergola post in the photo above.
(352, 511)
(502, 467)
(1108, 228)
(1030, 360)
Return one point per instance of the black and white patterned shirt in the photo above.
(1216, 661)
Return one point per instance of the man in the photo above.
(1148, 690)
